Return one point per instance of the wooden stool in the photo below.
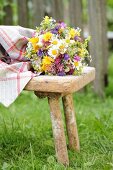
(55, 87)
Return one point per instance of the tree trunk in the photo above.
(38, 14)
(8, 18)
(23, 13)
(98, 43)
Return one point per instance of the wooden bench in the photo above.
(55, 87)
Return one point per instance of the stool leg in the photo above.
(58, 130)
(71, 125)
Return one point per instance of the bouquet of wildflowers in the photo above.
(56, 49)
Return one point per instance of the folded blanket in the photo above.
(14, 68)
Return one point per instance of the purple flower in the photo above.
(54, 31)
(40, 52)
(63, 25)
(58, 27)
(77, 58)
(61, 73)
(77, 38)
(66, 56)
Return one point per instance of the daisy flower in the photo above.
(56, 49)
(53, 52)
(62, 46)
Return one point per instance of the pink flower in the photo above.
(77, 58)
(58, 60)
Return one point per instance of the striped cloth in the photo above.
(14, 68)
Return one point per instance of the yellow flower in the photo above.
(44, 67)
(35, 47)
(46, 19)
(47, 36)
(74, 33)
(76, 63)
(34, 40)
(82, 52)
(46, 62)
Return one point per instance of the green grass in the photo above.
(26, 140)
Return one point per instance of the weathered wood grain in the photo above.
(98, 45)
(58, 129)
(71, 125)
(64, 84)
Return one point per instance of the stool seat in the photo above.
(54, 87)
(61, 84)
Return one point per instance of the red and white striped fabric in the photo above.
(14, 68)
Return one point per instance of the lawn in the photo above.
(26, 140)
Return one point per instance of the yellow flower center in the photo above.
(76, 63)
(61, 47)
(54, 52)
(55, 42)
(67, 40)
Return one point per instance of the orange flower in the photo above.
(35, 47)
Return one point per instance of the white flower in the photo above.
(54, 42)
(29, 46)
(53, 52)
(62, 46)
(79, 66)
(40, 42)
(72, 41)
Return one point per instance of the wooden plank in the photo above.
(98, 44)
(71, 124)
(75, 13)
(109, 34)
(57, 8)
(38, 12)
(64, 84)
(23, 13)
(58, 129)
